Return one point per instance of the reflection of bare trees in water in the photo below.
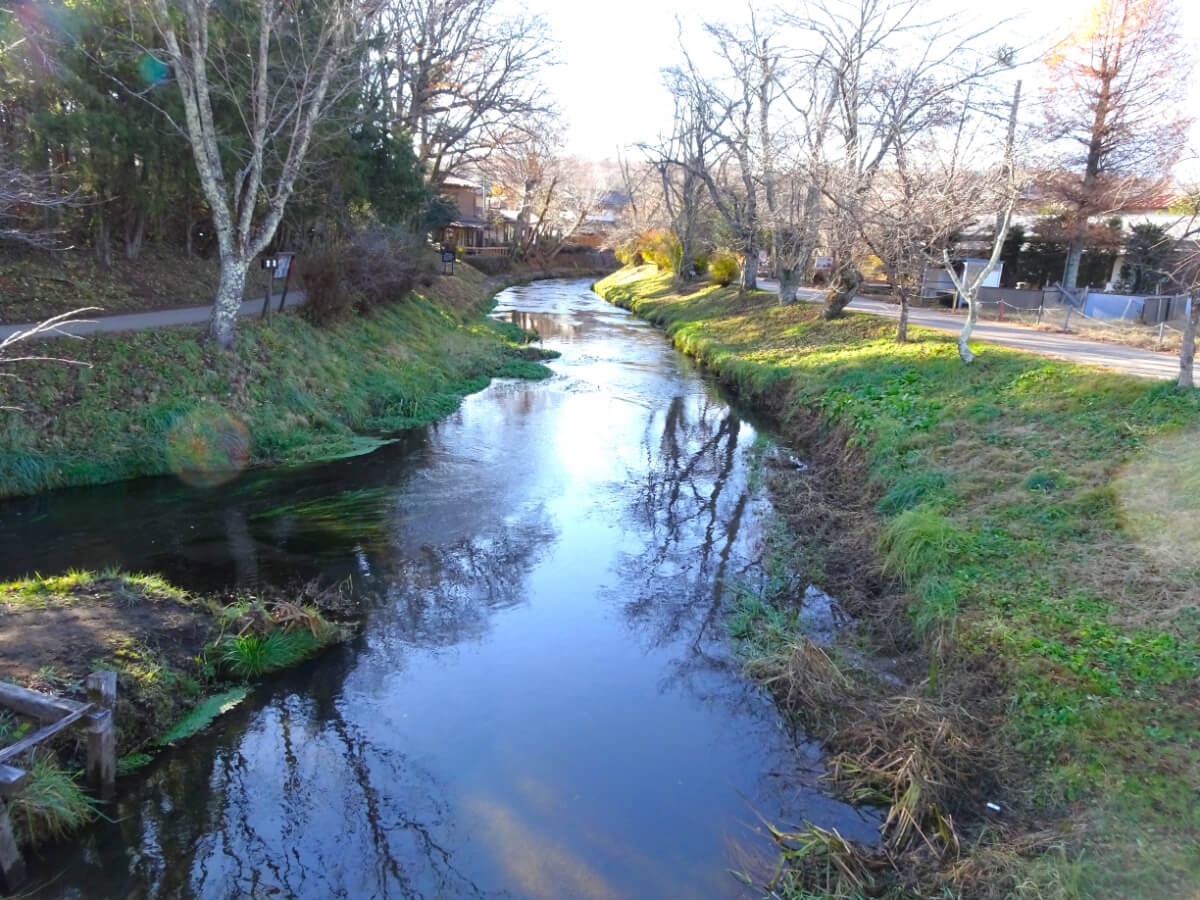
(691, 502)
(546, 326)
(297, 798)
(443, 594)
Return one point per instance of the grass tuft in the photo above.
(50, 804)
(252, 655)
(921, 541)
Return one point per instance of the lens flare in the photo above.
(208, 447)
(1159, 497)
(153, 70)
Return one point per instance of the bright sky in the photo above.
(610, 85)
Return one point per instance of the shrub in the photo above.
(724, 267)
(375, 268)
(491, 265)
(329, 295)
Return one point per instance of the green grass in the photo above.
(1047, 512)
(49, 805)
(161, 401)
(254, 655)
(76, 585)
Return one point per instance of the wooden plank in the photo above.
(12, 866)
(11, 780)
(35, 704)
(102, 689)
(42, 733)
(102, 753)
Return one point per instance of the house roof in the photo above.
(455, 181)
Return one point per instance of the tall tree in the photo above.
(463, 77)
(1116, 85)
(281, 65)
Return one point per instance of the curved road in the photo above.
(1130, 360)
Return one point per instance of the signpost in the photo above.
(277, 266)
(447, 262)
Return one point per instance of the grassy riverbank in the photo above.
(180, 659)
(1021, 535)
(152, 402)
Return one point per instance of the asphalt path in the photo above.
(1131, 360)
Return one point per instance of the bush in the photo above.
(724, 267)
(373, 269)
(491, 265)
(329, 295)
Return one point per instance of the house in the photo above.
(470, 226)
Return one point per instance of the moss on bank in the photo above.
(157, 401)
(181, 660)
(1017, 533)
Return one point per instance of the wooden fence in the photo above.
(56, 714)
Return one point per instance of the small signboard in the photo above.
(823, 262)
(447, 256)
(283, 262)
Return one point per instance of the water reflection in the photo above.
(539, 703)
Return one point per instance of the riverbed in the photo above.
(541, 701)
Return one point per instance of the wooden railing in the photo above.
(485, 251)
(56, 714)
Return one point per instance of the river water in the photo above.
(539, 703)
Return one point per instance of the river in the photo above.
(540, 702)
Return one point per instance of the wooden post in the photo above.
(101, 740)
(287, 277)
(12, 865)
(266, 313)
(1067, 321)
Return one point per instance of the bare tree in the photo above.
(22, 193)
(879, 104)
(556, 193)
(281, 67)
(678, 159)
(463, 77)
(1182, 271)
(1116, 85)
(725, 118)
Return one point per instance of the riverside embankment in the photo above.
(1021, 536)
(153, 401)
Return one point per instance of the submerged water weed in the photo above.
(204, 714)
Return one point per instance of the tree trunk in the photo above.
(789, 281)
(1187, 350)
(1074, 255)
(135, 235)
(750, 268)
(103, 240)
(902, 324)
(841, 291)
(230, 288)
(964, 350)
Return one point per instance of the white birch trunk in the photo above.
(231, 287)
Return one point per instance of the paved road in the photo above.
(1131, 360)
(162, 318)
